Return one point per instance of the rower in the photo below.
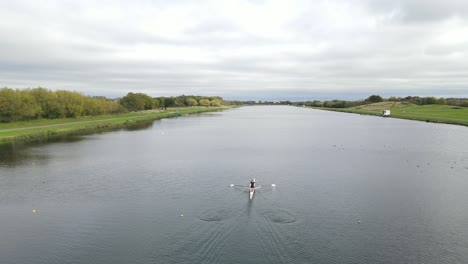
(252, 183)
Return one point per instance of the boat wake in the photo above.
(279, 216)
(217, 215)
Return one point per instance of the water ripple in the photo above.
(279, 216)
(216, 215)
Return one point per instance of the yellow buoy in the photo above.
(34, 210)
(181, 215)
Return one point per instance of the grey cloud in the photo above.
(421, 11)
(213, 26)
(447, 49)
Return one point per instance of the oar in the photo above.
(237, 185)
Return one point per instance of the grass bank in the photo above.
(44, 129)
(429, 113)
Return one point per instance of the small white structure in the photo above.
(386, 112)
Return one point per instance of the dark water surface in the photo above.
(350, 189)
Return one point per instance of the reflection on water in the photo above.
(137, 126)
(23, 153)
(15, 154)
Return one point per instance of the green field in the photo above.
(429, 113)
(43, 129)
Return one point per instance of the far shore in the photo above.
(428, 113)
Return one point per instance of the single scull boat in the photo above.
(252, 186)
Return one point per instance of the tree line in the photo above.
(461, 102)
(37, 103)
(140, 101)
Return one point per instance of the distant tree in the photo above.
(17, 105)
(137, 101)
(156, 103)
(42, 97)
(70, 103)
(441, 101)
(429, 100)
(27, 107)
(8, 101)
(180, 101)
(162, 101)
(149, 103)
(92, 107)
(317, 103)
(340, 104)
(414, 100)
(169, 102)
(454, 101)
(417, 100)
(40, 102)
(329, 103)
(457, 102)
(191, 102)
(374, 99)
(215, 102)
(204, 102)
(336, 104)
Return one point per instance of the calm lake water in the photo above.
(349, 189)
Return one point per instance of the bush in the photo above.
(204, 102)
(374, 99)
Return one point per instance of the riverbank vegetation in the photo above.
(429, 113)
(41, 103)
(40, 114)
(429, 109)
(45, 129)
(416, 100)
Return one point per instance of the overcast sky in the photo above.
(237, 49)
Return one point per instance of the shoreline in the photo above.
(47, 129)
(409, 116)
